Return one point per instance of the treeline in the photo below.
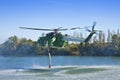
(26, 47)
(18, 47)
(103, 45)
(100, 45)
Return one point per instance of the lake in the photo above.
(63, 68)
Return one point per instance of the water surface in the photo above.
(63, 68)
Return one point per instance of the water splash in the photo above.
(102, 72)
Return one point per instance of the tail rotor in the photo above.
(94, 24)
(93, 29)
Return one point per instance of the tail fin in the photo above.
(89, 37)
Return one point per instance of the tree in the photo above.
(13, 40)
(109, 37)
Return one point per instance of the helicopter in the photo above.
(54, 38)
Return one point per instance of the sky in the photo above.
(54, 14)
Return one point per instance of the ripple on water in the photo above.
(63, 73)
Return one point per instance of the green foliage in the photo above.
(73, 47)
(100, 48)
(18, 47)
(26, 47)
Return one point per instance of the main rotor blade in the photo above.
(62, 29)
(76, 28)
(59, 28)
(36, 29)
